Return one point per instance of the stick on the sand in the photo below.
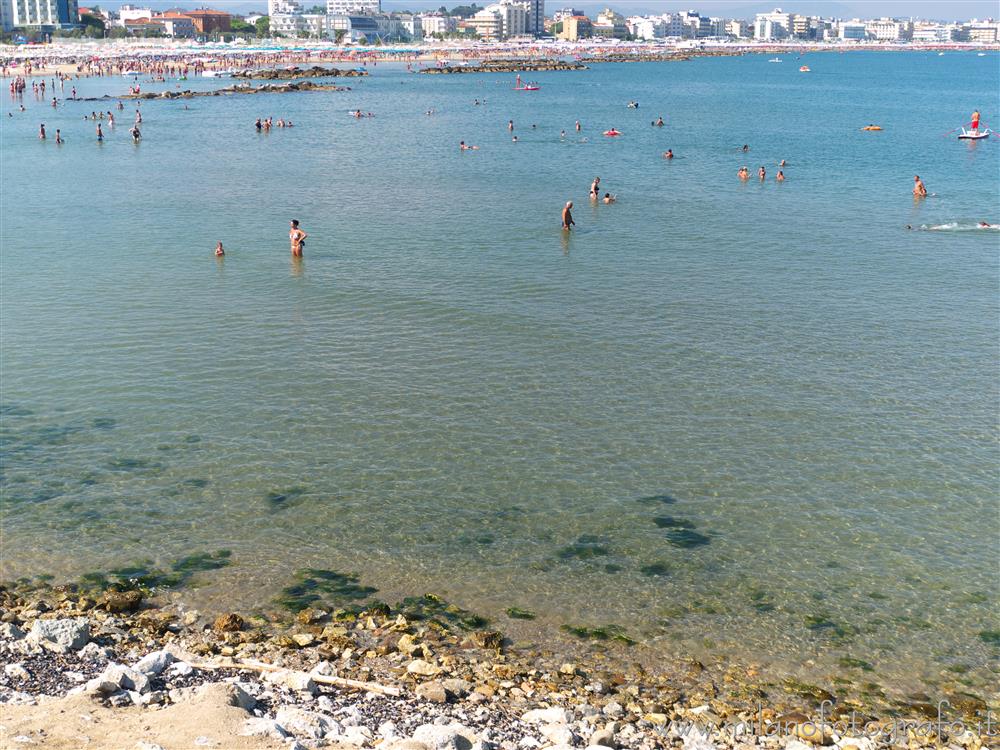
(259, 666)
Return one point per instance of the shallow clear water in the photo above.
(453, 396)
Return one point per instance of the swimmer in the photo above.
(59, 138)
(514, 139)
(762, 173)
(669, 154)
(783, 163)
(743, 174)
(919, 189)
(533, 126)
(510, 125)
(562, 134)
(41, 132)
(219, 251)
(577, 126)
(297, 238)
(659, 122)
(567, 216)
(258, 124)
(745, 148)
(100, 133)
(780, 177)
(462, 145)
(608, 198)
(136, 135)
(982, 224)
(54, 104)
(595, 188)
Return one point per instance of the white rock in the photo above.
(421, 667)
(387, 730)
(143, 745)
(17, 671)
(614, 708)
(10, 632)
(360, 736)
(450, 737)
(153, 664)
(558, 734)
(306, 723)
(528, 743)
(263, 728)
(60, 635)
(181, 669)
(203, 740)
(603, 737)
(554, 715)
(125, 678)
(93, 652)
(298, 681)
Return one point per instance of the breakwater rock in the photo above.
(267, 88)
(294, 73)
(508, 66)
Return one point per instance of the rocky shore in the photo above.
(114, 669)
(508, 66)
(295, 73)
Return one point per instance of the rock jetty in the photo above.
(267, 88)
(295, 73)
(508, 66)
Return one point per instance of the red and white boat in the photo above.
(520, 86)
(974, 135)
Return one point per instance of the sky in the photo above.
(944, 10)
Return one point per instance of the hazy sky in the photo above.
(950, 10)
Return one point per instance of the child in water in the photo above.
(219, 251)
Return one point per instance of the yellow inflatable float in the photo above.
(872, 127)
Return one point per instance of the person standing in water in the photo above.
(919, 189)
(297, 238)
(41, 132)
(567, 216)
(780, 177)
(219, 250)
(595, 188)
(669, 154)
(100, 133)
(510, 125)
(577, 126)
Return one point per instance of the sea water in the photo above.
(754, 420)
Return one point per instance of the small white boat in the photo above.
(981, 54)
(775, 59)
(940, 54)
(974, 135)
(130, 73)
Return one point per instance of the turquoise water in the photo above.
(737, 419)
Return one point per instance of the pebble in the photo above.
(554, 715)
(262, 727)
(432, 691)
(154, 663)
(60, 636)
(17, 671)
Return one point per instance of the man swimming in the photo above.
(608, 198)
(659, 122)
(567, 216)
(669, 154)
(780, 177)
(919, 189)
(297, 238)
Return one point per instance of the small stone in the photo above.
(181, 669)
(568, 669)
(228, 623)
(432, 691)
(408, 745)
(143, 745)
(656, 719)
(358, 735)
(304, 639)
(423, 668)
(121, 601)
(154, 663)
(603, 737)
(298, 681)
(450, 737)
(406, 644)
(387, 730)
(93, 652)
(10, 632)
(301, 723)
(457, 687)
(815, 733)
(125, 678)
(613, 709)
(554, 715)
(558, 734)
(17, 671)
(191, 617)
(310, 616)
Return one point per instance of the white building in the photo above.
(487, 23)
(131, 13)
(283, 7)
(738, 29)
(253, 18)
(852, 30)
(353, 7)
(433, 23)
(286, 24)
(412, 26)
(647, 28)
(354, 28)
(984, 31)
(931, 32)
(889, 30)
(774, 25)
(40, 13)
(565, 13)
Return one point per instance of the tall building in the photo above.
(353, 7)
(535, 16)
(283, 7)
(39, 13)
(773, 25)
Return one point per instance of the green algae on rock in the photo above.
(317, 587)
(614, 633)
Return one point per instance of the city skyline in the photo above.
(958, 10)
